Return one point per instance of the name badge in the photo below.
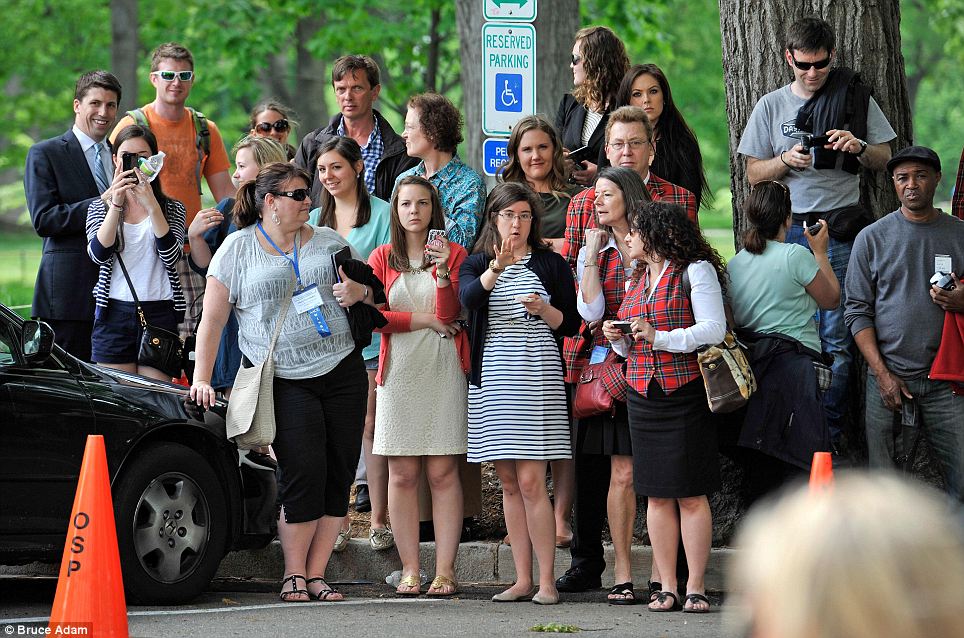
(307, 298)
(942, 263)
(598, 354)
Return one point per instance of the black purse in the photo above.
(159, 348)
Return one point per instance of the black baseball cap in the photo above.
(920, 154)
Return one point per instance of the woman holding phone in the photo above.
(421, 398)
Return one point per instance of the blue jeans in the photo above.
(940, 415)
(835, 337)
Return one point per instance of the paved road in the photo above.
(371, 611)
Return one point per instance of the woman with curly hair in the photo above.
(433, 130)
(598, 63)
(536, 159)
(679, 160)
(675, 460)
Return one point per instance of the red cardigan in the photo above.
(447, 305)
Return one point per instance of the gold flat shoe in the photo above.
(439, 583)
(409, 581)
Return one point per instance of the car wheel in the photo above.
(172, 524)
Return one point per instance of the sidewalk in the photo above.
(478, 562)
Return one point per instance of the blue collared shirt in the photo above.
(371, 153)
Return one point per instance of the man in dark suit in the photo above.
(63, 176)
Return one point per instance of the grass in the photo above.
(19, 260)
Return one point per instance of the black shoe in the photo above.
(363, 502)
(577, 579)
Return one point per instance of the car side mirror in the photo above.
(37, 341)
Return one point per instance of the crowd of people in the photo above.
(493, 304)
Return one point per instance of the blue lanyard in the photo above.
(293, 262)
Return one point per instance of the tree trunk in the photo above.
(555, 25)
(311, 78)
(434, 44)
(124, 54)
(868, 40)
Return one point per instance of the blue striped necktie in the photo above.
(100, 175)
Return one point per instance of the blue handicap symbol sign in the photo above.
(508, 92)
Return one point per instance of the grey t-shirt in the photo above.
(767, 134)
(258, 285)
(888, 286)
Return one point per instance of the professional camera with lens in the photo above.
(809, 140)
(943, 280)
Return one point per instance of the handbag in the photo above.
(159, 348)
(845, 223)
(599, 387)
(249, 421)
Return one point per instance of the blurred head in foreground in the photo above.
(875, 557)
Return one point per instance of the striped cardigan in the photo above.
(169, 249)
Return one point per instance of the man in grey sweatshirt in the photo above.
(896, 318)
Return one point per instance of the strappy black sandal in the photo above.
(654, 588)
(622, 589)
(323, 594)
(693, 599)
(289, 596)
(663, 595)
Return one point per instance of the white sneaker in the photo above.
(341, 543)
(381, 538)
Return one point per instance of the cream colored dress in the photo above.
(421, 408)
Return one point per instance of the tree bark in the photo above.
(434, 44)
(124, 50)
(311, 79)
(868, 40)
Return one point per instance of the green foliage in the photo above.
(555, 628)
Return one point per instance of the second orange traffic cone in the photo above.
(90, 590)
(821, 472)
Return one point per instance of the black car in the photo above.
(183, 496)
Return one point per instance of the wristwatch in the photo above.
(863, 147)
(495, 267)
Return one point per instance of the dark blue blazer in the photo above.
(59, 188)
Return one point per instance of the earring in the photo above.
(275, 218)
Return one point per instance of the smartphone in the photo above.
(433, 237)
(580, 154)
(129, 161)
(813, 230)
(625, 327)
(338, 259)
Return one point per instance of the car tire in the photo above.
(172, 524)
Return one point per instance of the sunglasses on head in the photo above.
(265, 127)
(299, 194)
(168, 76)
(805, 66)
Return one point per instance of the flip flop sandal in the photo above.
(654, 588)
(323, 594)
(661, 599)
(693, 599)
(409, 581)
(625, 590)
(288, 596)
(439, 583)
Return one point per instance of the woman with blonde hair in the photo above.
(875, 556)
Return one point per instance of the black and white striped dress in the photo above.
(519, 412)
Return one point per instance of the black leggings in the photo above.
(319, 432)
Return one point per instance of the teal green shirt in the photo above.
(366, 239)
(766, 292)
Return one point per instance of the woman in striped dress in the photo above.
(521, 301)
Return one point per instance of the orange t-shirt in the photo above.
(177, 140)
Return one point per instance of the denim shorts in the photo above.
(117, 332)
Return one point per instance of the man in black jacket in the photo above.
(354, 79)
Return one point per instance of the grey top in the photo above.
(767, 134)
(258, 285)
(888, 286)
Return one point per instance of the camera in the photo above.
(943, 280)
(809, 140)
(813, 230)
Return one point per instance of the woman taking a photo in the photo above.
(521, 302)
(604, 462)
(421, 396)
(433, 130)
(675, 462)
(598, 63)
(363, 220)
(272, 119)
(320, 381)
(143, 229)
(678, 160)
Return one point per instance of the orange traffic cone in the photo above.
(821, 472)
(90, 591)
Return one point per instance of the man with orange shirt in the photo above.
(186, 160)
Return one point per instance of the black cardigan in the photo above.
(554, 273)
(569, 122)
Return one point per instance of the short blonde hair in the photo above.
(876, 556)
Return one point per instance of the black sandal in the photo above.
(287, 596)
(654, 588)
(693, 599)
(323, 594)
(663, 595)
(625, 590)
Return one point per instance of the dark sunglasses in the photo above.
(168, 76)
(576, 59)
(805, 66)
(299, 194)
(265, 127)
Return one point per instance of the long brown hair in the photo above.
(501, 197)
(605, 62)
(351, 153)
(398, 255)
(767, 209)
(512, 170)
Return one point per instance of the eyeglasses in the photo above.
(576, 59)
(265, 127)
(168, 76)
(511, 217)
(805, 66)
(632, 144)
(299, 194)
